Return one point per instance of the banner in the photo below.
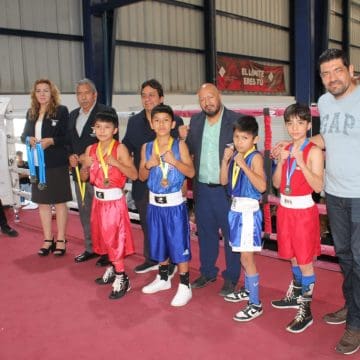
(244, 75)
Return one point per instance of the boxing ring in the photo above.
(271, 130)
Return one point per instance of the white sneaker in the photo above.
(183, 295)
(30, 206)
(157, 285)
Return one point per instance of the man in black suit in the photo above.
(5, 228)
(207, 137)
(81, 135)
(139, 132)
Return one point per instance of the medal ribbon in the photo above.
(30, 157)
(99, 153)
(82, 184)
(41, 161)
(236, 168)
(291, 169)
(164, 166)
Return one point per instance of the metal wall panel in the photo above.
(177, 72)
(193, 2)
(251, 39)
(274, 11)
(23, 60)
(57, 16)
(335, 27)
(156, 23)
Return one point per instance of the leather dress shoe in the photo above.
(202, 281)
(103, 260)
(85, 256)
(7, 230)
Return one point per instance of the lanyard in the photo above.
(236, 168)
(30, 156)
(105, 167)
(164, 166)
(291, 169)
(41, 161)
(82, 184)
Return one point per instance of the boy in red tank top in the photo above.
(108, 164)
(299, 172)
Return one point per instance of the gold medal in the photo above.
(106, 182)
(287, 190)
(164, 182)
(104, 166)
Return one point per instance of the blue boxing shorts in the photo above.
(168, 228)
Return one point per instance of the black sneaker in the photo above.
(107, 278)
(251, 312)
(146, 267)
(7, 230)
(303, 319)
(202, 281)
(228, 288)
(120, 286)
(290, 299)
(237, 296)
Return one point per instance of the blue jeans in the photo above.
(211, 212)
(344, 219)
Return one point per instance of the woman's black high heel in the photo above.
(45, 251)
(60, 252)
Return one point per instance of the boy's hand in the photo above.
(228, 153)
(86, 161)
(298, 155)
(153, 161)
(276, 150)
(169, 157)
(283, 155)
(110, 160)
(239, 160)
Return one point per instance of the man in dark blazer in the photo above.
(209, 133)
(80, 136)
(139, 132)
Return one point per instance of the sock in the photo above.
(246, 283)
(253, 282)
(185, 279)
(164, 272)
(297, 275)
(307, 281)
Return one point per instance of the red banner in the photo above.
(244, 75)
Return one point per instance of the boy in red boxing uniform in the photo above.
(108, 164)
(299, 172)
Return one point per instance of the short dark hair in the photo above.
(107, 116)
(332, 54)
(247, 124)
(162, 108)
(301, 111)
(153, 83)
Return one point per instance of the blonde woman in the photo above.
(46, 124)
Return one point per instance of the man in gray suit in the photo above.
(80, 136)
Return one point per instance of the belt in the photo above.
(296, 202)
(165, 200)
(213, 185)
(242, 204)
(108, 194)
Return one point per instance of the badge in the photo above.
(164, 183)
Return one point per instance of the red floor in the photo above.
(52, 309)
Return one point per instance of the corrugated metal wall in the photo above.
(27, 58)
(355, 34)
(335, 24)
(160, 24)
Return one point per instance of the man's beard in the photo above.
(212, 113)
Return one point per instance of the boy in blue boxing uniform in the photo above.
(242, 170)
(164, 164)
